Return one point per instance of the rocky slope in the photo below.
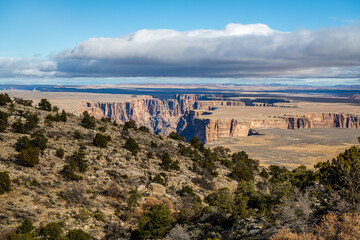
(42, 194)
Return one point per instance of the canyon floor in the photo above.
(291, 148)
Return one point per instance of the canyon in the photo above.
(209, 119)
(208, 116)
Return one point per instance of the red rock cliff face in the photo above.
(160, 115)
(211, 129)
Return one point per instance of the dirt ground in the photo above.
(291, 148)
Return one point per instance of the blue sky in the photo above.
(36, 33)
(35, 27)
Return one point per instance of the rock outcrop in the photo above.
(161, 115)
(208, 129)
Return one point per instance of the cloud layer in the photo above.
(238, 50)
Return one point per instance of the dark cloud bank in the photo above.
(235, 51)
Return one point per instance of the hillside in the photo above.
(77, 177)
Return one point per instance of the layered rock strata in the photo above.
(208, 129)
(161, 115)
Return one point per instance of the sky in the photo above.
(157, 39)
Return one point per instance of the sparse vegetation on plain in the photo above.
(67, 182)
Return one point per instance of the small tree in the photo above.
(88, 121)
(3, 121)
(39, 140)
(51, 231)
(101, 140)
(133, 200)
(144, 129)
(44, 104)
(19, 127)
(78, 234)
(4, 99)
(29, 157)
(159, 179)
(176, 136)
(78, 135)
(25, 227)
(129, 124)
(60, 153)
(32, 121)
(132, 146)
(77, 161)
(155, 223)
(5, 183)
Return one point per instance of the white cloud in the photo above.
(238, 50)
(26, 67)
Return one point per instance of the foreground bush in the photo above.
(132, 146)
(155, 223)
(101, 140)
(44, 104)
(4, 99)
(5, 183)
(3, 121)
(29, 157)
(88, 121)
(77, 234)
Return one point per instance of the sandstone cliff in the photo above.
(207, 129)
(161, 115)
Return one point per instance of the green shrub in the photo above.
(29, 157)
(176, 136)
(132, 146)
(5, 183)
(155, 223)
(4, 99)
(342, 174)
(153, 144)
(129, 124)
(77, 161)
(196, 143)
(24, 102)
(51, 231)
(100, 216)
(69, 174)
(88, 121)
(39, 140)
(77, 234)
(19, 127)
(186, 191)
(133, 200)
(59, 153)
(25, 227)
(32, 121)
(264, 174)
(159, 179)
(101, 140)
(78, 135)
(22, 143)
(62, 117)
(149, 155)
(3, 121)
(55, 109)
(169, 164)
(44, 104)
(144, 129)
(221, 199)
(244, 167)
